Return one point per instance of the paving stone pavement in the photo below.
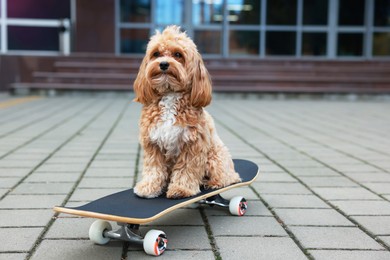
(323, 192)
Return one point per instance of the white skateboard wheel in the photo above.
(155, 242)
(238, 206)
(96, 232)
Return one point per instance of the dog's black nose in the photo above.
(164, 65)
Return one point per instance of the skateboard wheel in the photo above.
(238, 206)
(96, 232)
(155, 242)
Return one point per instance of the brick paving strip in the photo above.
(323, 193)
(17, 101)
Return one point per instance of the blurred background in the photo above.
(294, 46)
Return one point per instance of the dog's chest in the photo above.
(165, 133)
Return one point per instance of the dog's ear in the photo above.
(144, 93)
(201, 84)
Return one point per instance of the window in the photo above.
(296, 28)
(280, 43)
(382, 13)
(32, 25)
(207, 11)
(169, 12)
(33, 38)
(381, 45)
(244, 12)
(314, 44)
(135, 11)
(351, 12)
(208, 42)
(38, 9)
(315, 12)
(282, 12)
(134, 40)
(244, 42)
(381, 35)
(350, 44)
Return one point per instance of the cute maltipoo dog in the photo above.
(182, 150)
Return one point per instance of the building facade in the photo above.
(316, 46)
(319, 29)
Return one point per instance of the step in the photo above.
(222, 79)
(266, 87)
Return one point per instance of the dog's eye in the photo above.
(156, 54)
(178, 55)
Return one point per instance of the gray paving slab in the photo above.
(13, 256)
(334, 238)
(71, 228)
(76, 249)
(14, 172)
(328, 181)
(42, 188)
(6, 163)
(281, 188)
(109, 172)
(36, 177)
(351, 168)
(259, 248)
(345, 193)
(320, 171)
(363, 207)
(379, 188)
(31, 201)
(370, 177)
(25, 218)
(350, 255)
(291, 138)
(17, 239)
(113, 164)
(62, 167)
(378, 225)
(3, 192)
(107, 182)
(312, 217)
(276, 177)
(294, 201)
(9, 182)
(249, 226)
(385, 239)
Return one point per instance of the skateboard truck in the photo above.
(216, 200)
(237, 205)
(154, 243)
(126, 232)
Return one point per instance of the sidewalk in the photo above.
(323, 192)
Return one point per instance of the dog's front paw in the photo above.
(213, 185)
(177, 192)
(147, 190)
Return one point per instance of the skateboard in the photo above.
(130, 211)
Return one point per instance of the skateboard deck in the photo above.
(126, 207)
